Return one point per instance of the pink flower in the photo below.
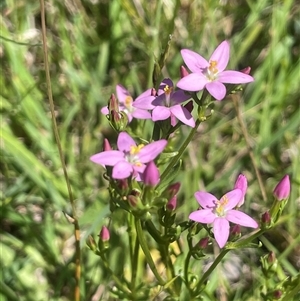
(220, 213)
(168, 104)
(282, 190)
(130, 159)
(127, 104)
(210, 74)
(241, 183)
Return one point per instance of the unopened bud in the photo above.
(241, 183)
(203, 243)
(266, 218)
(271, 258)
(104, 234)
(183, 72)
(277, 294)
(246, 70)
(106, 145)
(282, 189)
(151, 175)
(172, 190)
(91, 243)
(113, 104)
(236, 231)
(153, 92)
(172, 203)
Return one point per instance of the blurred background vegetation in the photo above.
(94, 45)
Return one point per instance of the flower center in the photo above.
(133, 155)
(212, 70)
(168, 90)
(128, 103)
(220, 210)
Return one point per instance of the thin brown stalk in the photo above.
(240, 119)
(61, 155)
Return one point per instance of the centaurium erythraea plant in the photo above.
(130, 159)
(211, 74)
(168, 103)
(220, 212)
(127, 104)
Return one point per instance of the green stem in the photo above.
(243, 242)
(118, 283)
(181, 150)
(186, 270)
(210, 270)
(146, 251)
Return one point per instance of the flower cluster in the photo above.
(168, 102)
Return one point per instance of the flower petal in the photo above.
(221, 231)
(241, 218)
(183, 115)
(234, 77)
(122, 93)
(221, 56)
(159, 100)
(122, 170)
(109, 158)
(206, 200)
(231, 198)
(141, 114)
(179, 96)
(193, 82)
(125, 142)
(147, 93)
(216, 89)
(194, 61)
(160, 113)
(144, 103)
(204, 216)
(104, 110)
(151, 151)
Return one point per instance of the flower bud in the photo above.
(282, 190)
(153, 92)
(171, 190)
(151, 175)
(172, 203)
(266, 218)
(203, 243)
(104, 234)
(246, 70)
(236, 231)
(241, 183)
(91, 243)
(183, 72)
(271, 258)
(277, 294)
(106, 145)
(113, 104)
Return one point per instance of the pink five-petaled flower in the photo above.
(130, 159)
(127, 104)
(220, 213)
(168, 104)
(210, 74)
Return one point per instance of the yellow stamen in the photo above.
(220, 205)
(128, 101)
(134, 150)
(168, 89)
(213, 66)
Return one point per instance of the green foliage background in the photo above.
(95, 45)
